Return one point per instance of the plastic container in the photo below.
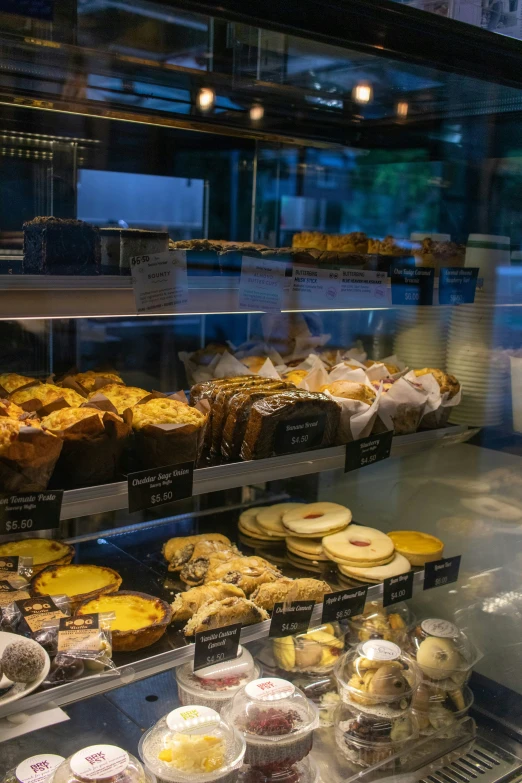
(215, 686)
(322, 690)
(366, 740)
(35, 769)
(305, 771)
(101, 762)
(444, 653)
(277, 722)
(440, 711)
(195, 744)
(314, 652)
(391, 623)
(377, 678)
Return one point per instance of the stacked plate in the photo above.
(482, 370)
(421, 336)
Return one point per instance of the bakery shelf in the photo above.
(111, 497)
(146, 667)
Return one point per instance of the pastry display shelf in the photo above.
(111, 497)
(147, 666)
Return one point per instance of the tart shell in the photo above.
(66, 556)
(41, 583)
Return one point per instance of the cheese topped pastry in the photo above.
(60, 420)
(11, 381)
(10, 410)
(88, 379)
(10, 431)
(46, 393)
(163, 410)
(122, 397)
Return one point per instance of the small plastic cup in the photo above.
(445, 655)
(195, 744)
(35, 769)
(215, 686)
(314, 652)
(101, 763)
(277, 722)
(377, 622)
(366, 740)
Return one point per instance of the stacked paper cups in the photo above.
(421, 336)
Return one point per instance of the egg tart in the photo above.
(122, 397)
(11, 381)
(28, 455)
(167, 432)
(44, 552)
(140, 619)
(45, 397)
(80, 582)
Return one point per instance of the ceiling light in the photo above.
(257, 113)
(206, 98)
(402, 109)
(362, 92)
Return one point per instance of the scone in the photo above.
(178, 551)
(166, 432)
(248, 573)
(45, 397)
(215, 614)
(187, 604)
(350, 391)
(11, 381)
(122, 397)
(268, 595)
(28, 455)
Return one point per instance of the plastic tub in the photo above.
(276, 720)
(391, 623)
(367, 740)
(101, 762)
(437, 710)
(304, 771)
(215, 686)
(377, 678)
(444, 653)
(322, 690)
(314, 652)
(193, 743)
(35, 769)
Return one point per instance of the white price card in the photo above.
(315, 288)
(363, 286)
(160, 281)
(261, 284)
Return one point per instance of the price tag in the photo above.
(313, 287)
(30, 511)
(160, 281)
(344, 604)
(441, 572)
(299, 434)
(158, 486)
(457, 285)
(397, 588)
(291, 618)
(412, 285)
(361, 286)
(367, 451)
(216, 646)
(261, 284)
(34, 9)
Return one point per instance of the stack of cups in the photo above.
(445, 657)
(374, 721)
(421, 336)
(488, 252)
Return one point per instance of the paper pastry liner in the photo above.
(401, 408)
(357, 417)
(92, 450)
(379, 371)
(28, 462)
(438, 406)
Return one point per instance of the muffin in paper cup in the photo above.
(401, 406)
(28, 455)
(93, 443)
(12, 381)
(444, 393)
(86, 383)
(44, 398)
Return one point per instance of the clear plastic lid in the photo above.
(371, 732)
(192, 743)
(316, 651)
(377, 622)
(101, 762)
(442, 650)
(304, 771)
(35, 769)
(221, 680)
(377, 673)
(271, 710)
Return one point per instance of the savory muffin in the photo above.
(11, 381)
(58, 422)
(122, 397)
(46, 393)
(92, 379)
(447, 383)
(28, 455)
(167, 432)
(350, 391)
(310, 239)
(10, 410)
(391, 368)
(164, 410)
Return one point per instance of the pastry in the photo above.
(248, 573)
(79, 582)
(386, 247)
(60, 246)
(356, 242)
(23, 661)
(93, 380)
(9, 410)
(350, 391)
(215, 614)
(295, 376)
(122, 397)
(28, 455)
(418, 548)
(316, 519)
(310, 239)
(392, 369)
(178, 551)
(43, 551)
(204, 356)
(139, 619)
(11, 381)
(205, 554)
(282, 590)
(438, 657)
(248, 525)
(270, 518)
(307, 548)
(316, 651)
(167, 432)
(186, 604)
(45, 397)
(448, 384)
(254, 363)
(375, 574)
(379, 623)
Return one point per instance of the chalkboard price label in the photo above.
(30, 511)
(150, 488)
(296, 435)
(216, 646)
(344, 604)
(441, 572)
(291, 618)
(367, 451)
(397, 588)
(412, 285)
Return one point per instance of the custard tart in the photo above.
(44, 552)
(79, 582)
(140, 619)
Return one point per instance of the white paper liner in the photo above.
(401, 408)
(378, 372)
(437, 411)
(357, 417)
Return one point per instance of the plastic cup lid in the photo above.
(99, 762)
(269, 689)
(192, 720)
(380, 650)
(38, 768)
(442, 628)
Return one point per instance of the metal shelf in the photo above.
(111, 497)
(147, 667)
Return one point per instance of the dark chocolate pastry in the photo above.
(57, 246)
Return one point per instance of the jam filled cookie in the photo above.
(375, 575)
(307, 548)
(360, 547)
(314, 520)
(248, 525)
(270, 518)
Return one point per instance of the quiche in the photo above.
(44, 552)
(139, 621)
(122, 397)
(44, 394)
(93, 380)
(164, 410)
(11, 381)
(79, 582)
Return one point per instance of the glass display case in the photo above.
(260, 407)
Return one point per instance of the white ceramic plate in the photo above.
(20, 689)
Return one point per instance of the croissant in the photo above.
(268, 595)
(244, 572)
(178, 551)
(215, 614)
(187, 604)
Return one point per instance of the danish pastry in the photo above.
(314, 520)
(268, 595)
(359, 546)
(215, 614)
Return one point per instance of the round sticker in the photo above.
(192, 719)
(36, 769)
(98, 762)
(269, 689)
(380, 650)
(439, 628)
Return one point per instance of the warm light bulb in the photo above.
(257, 113)
(362, 92)
(206, 98)
(402, 109)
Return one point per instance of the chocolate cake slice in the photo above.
(59, 246)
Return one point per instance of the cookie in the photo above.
(269, 519)
(418, 548)
(314, 520)
(490, 506)
(306, 548)
(248, 526)
(303, 565)
(359, 546)
(376, 574)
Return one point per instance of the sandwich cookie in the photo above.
(399, 565)
(313, 566)
(314, 520)
(248, 526)
(418, 548)
(269, 519)
(306, 548)
(360, 547)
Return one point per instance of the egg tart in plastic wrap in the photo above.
(100, 762)
(28, 455)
